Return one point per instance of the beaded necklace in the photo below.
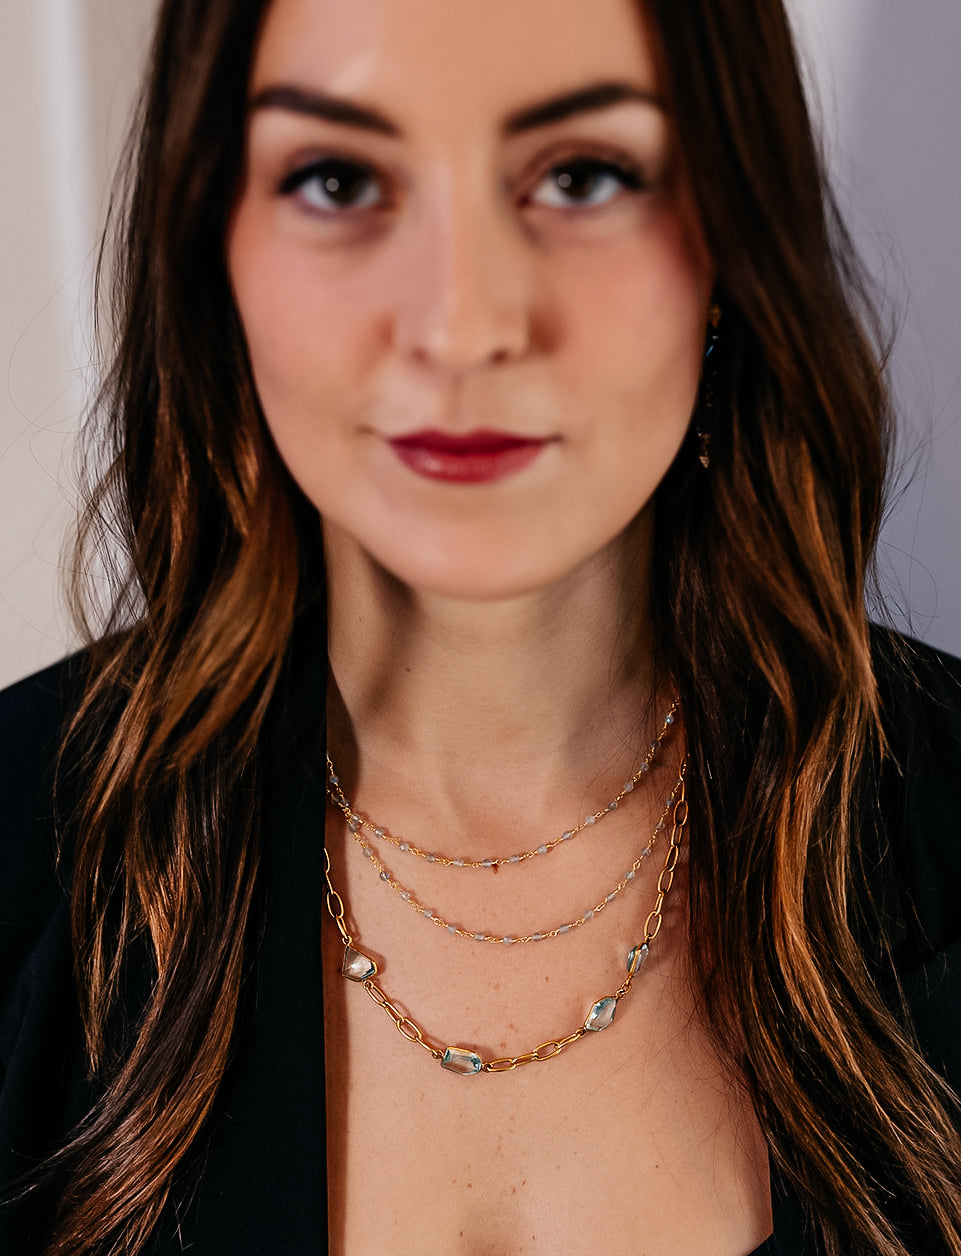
(466, 1061)
(408, 897)
(357, 822)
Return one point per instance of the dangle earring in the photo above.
(709, 374)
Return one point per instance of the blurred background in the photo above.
(884, 86)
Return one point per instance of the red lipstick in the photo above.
(475, 458)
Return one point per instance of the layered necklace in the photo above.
(359, 967)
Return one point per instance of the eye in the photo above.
(585, 182)
(334, 185)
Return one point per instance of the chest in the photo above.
(631, 1140)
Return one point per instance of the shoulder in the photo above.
(920, 691)
(33, 715)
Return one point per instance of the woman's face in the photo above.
(471, 279)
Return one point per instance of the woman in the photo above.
(417, 302)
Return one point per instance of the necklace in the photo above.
(465, 1061)
(357, 822)
(460, 931)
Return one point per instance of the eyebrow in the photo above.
(315, 104)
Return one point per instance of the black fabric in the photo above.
(256, 1185)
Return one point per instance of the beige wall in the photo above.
(885, 74)
(67, 71)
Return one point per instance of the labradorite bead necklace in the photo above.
(359, 967)
(358, 823)
(461, 931)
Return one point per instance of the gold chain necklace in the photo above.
(408, 897)
(357, 822)
(465, 1061)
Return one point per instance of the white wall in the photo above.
(884, 74)
(67, 73)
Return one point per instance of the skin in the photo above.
(476, 275)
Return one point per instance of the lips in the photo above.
(474, 458)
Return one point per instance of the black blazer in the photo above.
(256, 1186)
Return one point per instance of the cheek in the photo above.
(306, 335)
(637, 327)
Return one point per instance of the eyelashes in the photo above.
(342, 187)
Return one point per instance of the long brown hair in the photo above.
(758, 606)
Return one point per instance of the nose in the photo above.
(464, 299)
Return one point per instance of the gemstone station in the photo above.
(461, 1061)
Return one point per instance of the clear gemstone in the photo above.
(669, 718)
(335, 780)
(508, 941)
(406, 896)
(564, 929)
(403, 846)
(378, 832)
(458, 863)
(589, 915)
(451, 928)
(542, 850)
(628, 787)
(385, 876)
(590, 819)
(611, 897)
(601, 1014)
(357, 966)
(641, 952)
(612, 805)
(537, 937)
(487, 863)
(631, 875)
(432, 859)
(515, 859)
(645, 767)
(353, 824)
(464, 1063)
(566, 837)
(479, 937)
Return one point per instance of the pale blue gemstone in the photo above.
(357, 966)
(566, 837)
(335, 780)
(631, 875)
(610, 898)
(642, 953)
(451, 928)
(479, 937)
(464, 1063)
(515, 859)
(487, 863)
(601, 1014)
(669, 718)
(589, 915)
(537, 937)
(590, 819)
(564, 929)
(542, 850)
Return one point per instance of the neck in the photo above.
(539, 692)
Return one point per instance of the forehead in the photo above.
(422, 57)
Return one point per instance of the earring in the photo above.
(708, 376)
